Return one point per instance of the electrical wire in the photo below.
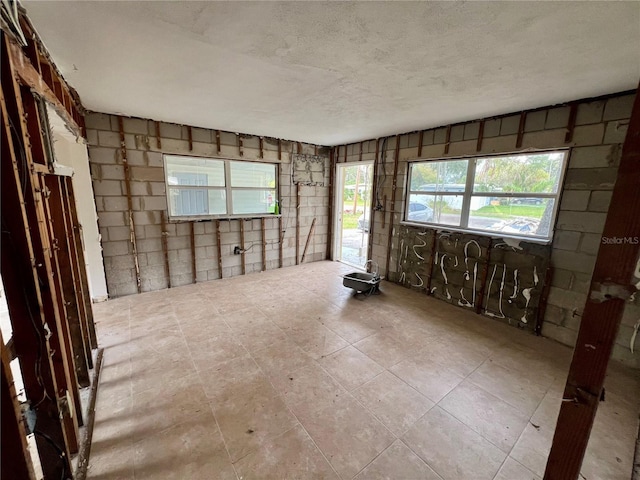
(382, 177)
(59, 451)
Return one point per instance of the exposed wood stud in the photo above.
(542, 304)
(190, 136)
(333, 155)
(242, 253)
(483, 279)
(420, 140)
(394, 186)
(127, 184)
(158, 139)
(165, 246)
(309, 236)
(192, 231)
(264, 244)
(261, 140)
(374, 199)
(299, 148)
(384, 211)
(360, 154)
(571, 126)
(447, 140)
(298, 194)
(432, 256)
(218, 141)
(315, 150)
(240, 145)
(614, 280)
(16, 459)
(279, 149)
(281, 242)
(345, 153)
(523, 119)
(480, 135)
(219, 247)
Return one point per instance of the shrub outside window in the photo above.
(209, 187)
(512, 195)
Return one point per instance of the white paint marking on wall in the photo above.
(632, 342)
(421, 281)
(475, 277)
(433, 290)
(526, 293)
(436, 258)
(501, 313)
(535, 276)
(515, 286)
(424, 244)
(456, 261)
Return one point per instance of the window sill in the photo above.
(482, 233)
(203, 218)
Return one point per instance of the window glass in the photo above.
(529, 173)
(195, 171)
(520, 215)
(441, 209)
(196, 201)
(253, 201)
(442, 176)
(251, 174)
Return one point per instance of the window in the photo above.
(513, 195)
(208, 187)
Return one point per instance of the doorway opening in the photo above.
(353, 202)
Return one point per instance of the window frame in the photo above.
(468, 193)
(227, 188)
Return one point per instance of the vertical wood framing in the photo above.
(332, 167)
(297, 224)
(165, 246)
(16, 460)
(264, 244)
(243, 261)
(374, 196)
(219, 247)
(573, 113)
(261, 140)
(483, 279)
(616, 277)
(190, 137)
(480, 136)
(158, 139)
(78, 263)
(432, 256)
(523, 119)
(394, 185)
(240, 145)
(279, 149)
(192, 231)
(360, 154)
(218, 141)
(281, 242)
(345, 153)
(80, 347)
(127, 184)
(420, 140)
(447, 140)
(25, 268)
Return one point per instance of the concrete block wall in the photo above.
(594, 156)
(148, 196)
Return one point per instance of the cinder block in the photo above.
(503, 143)
(616, 132)
(111, 172)
(492, 128)
(146, 218)
(152, 174)
(566, 240)
(581, 221)
(124, 289)
(439, 136)
(600, 201)
(576, 262)
(457, 133)
(170, 145)
(589, 112)
(135, 125)
(588, 134)
(557, 117)
(590, 178)
(204, 149)
(108, 139)
(119, 233)
(121, 263)
(510, 125)
(112, 249)
(98, 121)
(618, 107)
(535, 121)
(544, 139)
(575, 200)
(149, 245)
(170, 130)
(202, 135)
(102, 155)
(114, 204)
(139, 188)
(111, 219)
(462, 148)
(471, 131)
(590, 243)
(154, 203)
(566, 299)
(595, 157)
(92, 137)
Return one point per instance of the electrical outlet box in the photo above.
(236, 250)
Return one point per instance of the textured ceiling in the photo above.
(332, 73)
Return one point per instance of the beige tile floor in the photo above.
(284, 374)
